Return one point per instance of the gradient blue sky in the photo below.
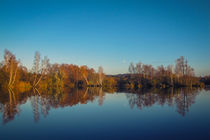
(109, 33)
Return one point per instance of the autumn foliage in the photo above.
(54, 77)
(143, 75)
(46, 76)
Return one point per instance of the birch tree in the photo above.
(100, 75)
(84, 73)
(11, 67)
(39, 71)
(36, 67)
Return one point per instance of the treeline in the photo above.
(144, 75)
(48, 76)
(206, 80)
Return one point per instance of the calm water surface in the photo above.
(96, 114)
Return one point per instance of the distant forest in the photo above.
(47, 76)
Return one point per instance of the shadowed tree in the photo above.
(170, 73)
(131, 68)
(184, 72)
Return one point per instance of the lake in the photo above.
(94, 113)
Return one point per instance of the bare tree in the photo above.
(38, 71)
(170, 73)
(84, 73)
(131, 68)
(184, 71)
(36, 67)
(180, 67)
(100, 75)
(138, 68)
(44, 68)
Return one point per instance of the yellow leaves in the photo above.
(23, 86)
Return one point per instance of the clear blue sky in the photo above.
(109, 33)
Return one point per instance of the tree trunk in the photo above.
(11, 75)
(15, 75)
(85, 79)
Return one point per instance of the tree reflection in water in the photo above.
(183, 98)
(43, 101)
